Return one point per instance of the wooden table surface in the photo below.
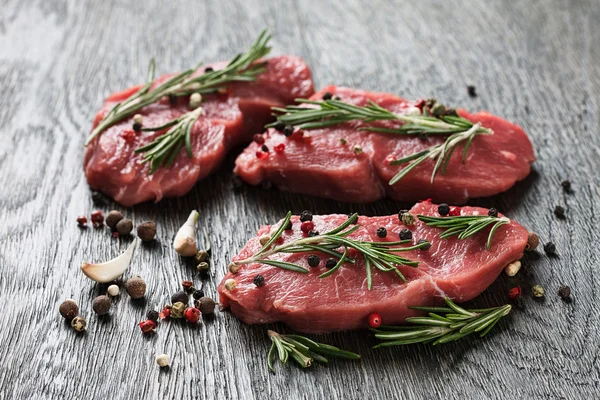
(536, 63)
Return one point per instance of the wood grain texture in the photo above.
(537, 63)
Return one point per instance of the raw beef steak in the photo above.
(458, 269)
(112, 166)
(323, 162)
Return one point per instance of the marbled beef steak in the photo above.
(324, 163)
(112, 166)
(459, 269)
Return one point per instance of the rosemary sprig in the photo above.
(465, 226)
(240, 68)
(380, 255)
(435, 119)
(455, 323)
(303, 350)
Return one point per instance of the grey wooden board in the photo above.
(534, 62)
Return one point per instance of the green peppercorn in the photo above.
(407, 218)
(177, 310)
(201, 256)
(537, 291)
(79, 324)
(203, 267)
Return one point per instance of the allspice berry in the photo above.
(79, 324)
(68, 309)
(136, 287)
(101, 305)
(180, 297)
(206, 305)
(124, 226)
(146, 231)
(533, 242)
(113, 217)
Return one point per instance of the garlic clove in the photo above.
(110, 270)
(185, 240)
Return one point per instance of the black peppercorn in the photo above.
(198, 294)
(264, 148)
(336, 97)
(327, 96)
(313, 233)
(564, 292)
(258, 280)
(493, 212)
(381, 232)
(330, 263)
(559, 211)
(471, 91)
(288, 130)
(566, 185)
(443, 209)
(152, 315)
(405, 234)
(279, 126)
(288, 227)
(313, 260)
(550, 248)
(427, 246)
(208, 69)
(180, 297)
(306, 216)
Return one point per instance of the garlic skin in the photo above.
(110, 270)
(185, 240)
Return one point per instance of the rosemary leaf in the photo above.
(465, 226)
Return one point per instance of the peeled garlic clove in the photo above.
(185, 240)
(110, 270)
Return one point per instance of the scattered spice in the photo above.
(566, 185)
(313, 233)
(206, 305)
(279, 148)
(313, 260)
(234, 268)
(192, 315)
(306, 216)
(166, 312)
(407, 218)
(208, 69)
(195, 100)
(97, 218)
(443, 209)
(381, 232)
(515, 292)
(201, 255)
(559, 211)
(307, 226)
(146, 231)
(198, 293)
(124, 227)
(374, 320)
(203, 267)
(327, 96)
(82, 221)
(136, 127)
(405, 234)
(427, 247)
(537, 291)
(230, 284)
(288, 130)
(454, 211)
(471, 90)
(138, 118)
(152, 315)
(180, 297)
(162, 360)
(492, 212)
(177, 309)
(79, 324)
(113, 217)
(101, 305)
(261, 155)
(279, 126)
(135, 287)
(68, 309)
(113, 290)
(357, 149)
(264, 148)
(258, 280)
(343, 141)
(330, 263)
(564, 292)
(147, 326)
(188, 286)
(532, 242)
(512, 268)
(550, 248)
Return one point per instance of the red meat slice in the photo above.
(459, 269)
(112, 166)
(319, 163)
